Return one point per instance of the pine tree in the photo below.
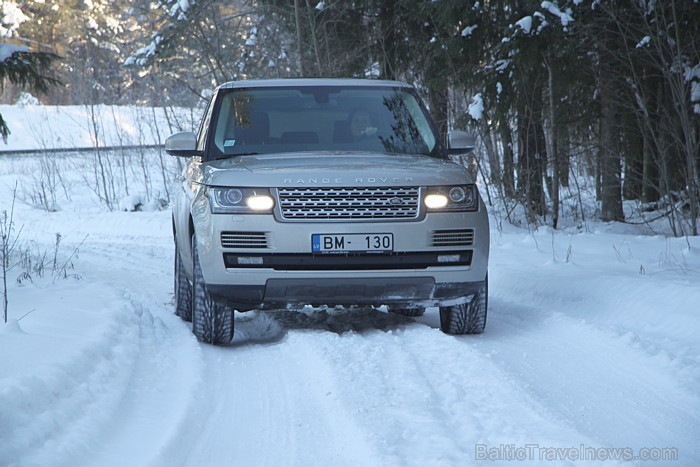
(26, 68)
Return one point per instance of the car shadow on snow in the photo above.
(504, 319)
(272, 326)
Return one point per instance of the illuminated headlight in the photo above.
(452, 198)
(436, 201)
(260, 202)
(240, 200)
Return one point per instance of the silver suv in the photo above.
(334, 192)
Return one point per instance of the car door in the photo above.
(187, 187)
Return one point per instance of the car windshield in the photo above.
(322, 119)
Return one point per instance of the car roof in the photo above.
(302, 82)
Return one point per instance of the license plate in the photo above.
(343, 243)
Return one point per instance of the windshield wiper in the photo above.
(229, 156)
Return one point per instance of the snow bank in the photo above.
(72, 364)
(37, 127)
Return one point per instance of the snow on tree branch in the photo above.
(525, 24)
(6, 50)
(564, 17)
(476, 108)
(11, 17)
(177, 11)
(179, 8)
(145, 54)
(692, 74)
(469, 30)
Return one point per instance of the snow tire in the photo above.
(212, 321)
(183, 289)
(468, 318)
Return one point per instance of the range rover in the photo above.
(336, 192)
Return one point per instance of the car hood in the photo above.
(332, 169)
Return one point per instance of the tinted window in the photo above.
(278, 120)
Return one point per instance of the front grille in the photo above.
(328, 203)
(245, 239)
(452, 237)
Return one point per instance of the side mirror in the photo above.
(460, 142)
(182, 144)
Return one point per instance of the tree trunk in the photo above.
(554, 146)
(689, 137)
(610, 161)
(300, 41)
(650, 164)
(634, 162)
(314, 39)
(438, 100)
(650, 177)
(531, 151)
(387, 41)
(492, 152)
(508, 158)
(565, 166)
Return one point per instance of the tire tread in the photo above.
(468, 318)
(212, 322)
(183, 289)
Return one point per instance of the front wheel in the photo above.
(468, 318)
(212, 321)
(183, 289)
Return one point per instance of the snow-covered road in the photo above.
(591, 343)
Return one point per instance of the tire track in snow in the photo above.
(66, 403)
(427, 399)
(270, 404)
(253, 405)
(159, 397)
(602, 384)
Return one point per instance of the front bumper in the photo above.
(402, 292)
(282, 271)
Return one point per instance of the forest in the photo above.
(562, 95)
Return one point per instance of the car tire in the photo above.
(183, 289)
(408, 311)
(468, 318)
(212, 321)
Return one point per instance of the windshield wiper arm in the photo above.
(229, 156)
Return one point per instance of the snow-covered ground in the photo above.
(591, 347)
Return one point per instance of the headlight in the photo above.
(457, 194)
(260, 202)
(436, 201)
(452, 198)
(228, 197)
(240, 200)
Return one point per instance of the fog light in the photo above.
(248, 260)
(449, 258)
